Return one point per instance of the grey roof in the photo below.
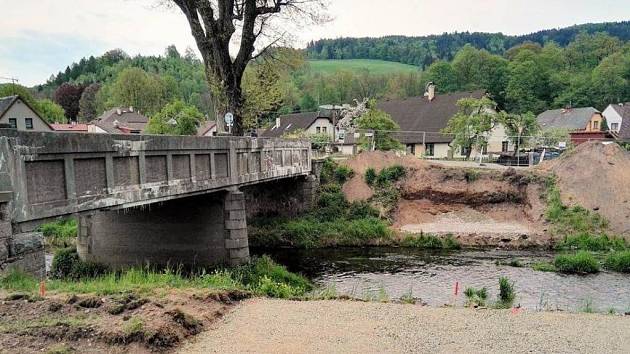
(6, 103)
(128, 120)
(624, 130)
(292, 122)
(571, 119)
(418, 115)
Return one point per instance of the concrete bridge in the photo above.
(146, 199)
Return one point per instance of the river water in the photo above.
(430, 277)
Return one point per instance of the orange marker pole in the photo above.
(456, 288)
(42, 288)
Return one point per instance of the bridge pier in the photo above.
(196, 231)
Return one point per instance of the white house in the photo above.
(615, 114)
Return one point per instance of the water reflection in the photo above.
(431, 276)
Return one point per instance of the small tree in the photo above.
(51, 112)
(472, 123)
(68, 96)
(176, 118)
(520, 127)
(87, 103)
(382, 125)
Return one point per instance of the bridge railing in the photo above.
(52, 174)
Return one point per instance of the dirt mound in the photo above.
(356, 189)
(597, 177)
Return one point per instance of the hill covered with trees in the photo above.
(423, 51)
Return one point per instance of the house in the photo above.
(208, 128)
(583, 124)
(586, 119)
(422, 118)
(73, 127)
(17, 113)
(119, 121)
(624, 132)
(615, 115)
(320, 122)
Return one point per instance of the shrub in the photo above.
(370, 176)
(263, 276)
(328, 171)
(580, 263)
(506, 292)
(330, 205)
(476, 297)
(430, 242)
(589, 242)
(619, 262)
(358, 232)
(67, 265)
(361, 210)
(343, 173)
(471, 175)
(389, 175)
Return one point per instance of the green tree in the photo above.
(176, 118)
(611, 80)
(51, 112)
(520, 127)
(527, 87)
(87, 103)
(472, 123)
(443, 75)
(382, 125)
(136, 88)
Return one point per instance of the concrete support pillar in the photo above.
(236, 242)
(309, 192)
(23, 251)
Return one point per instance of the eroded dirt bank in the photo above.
(108, 324)
(478, 207)
(276, 326)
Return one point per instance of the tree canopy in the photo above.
(176, 118)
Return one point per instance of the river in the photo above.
(431, 277)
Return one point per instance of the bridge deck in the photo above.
(52, 174)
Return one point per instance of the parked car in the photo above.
(510, 159)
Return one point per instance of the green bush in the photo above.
(618, 261)
(67, 265)
(580, 263)
(476, 297)
(263, 276)
(343, 173)
(589, 242)
(328, 171)
(361, 210)
(471, 175)
(390, 174)
(370, 176)
(330, 205)
(506, 292)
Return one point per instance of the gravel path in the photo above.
(276, 326)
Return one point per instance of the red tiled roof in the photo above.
(80, 127)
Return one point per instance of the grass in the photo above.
(618, 262)
(476, 297)
(262, 276)
(133, 325)
(570, 221)
(544, 267)
(428, 241)
(580, 263)
(595, 243)
(506, 293)
(356, 65)
(60, 234)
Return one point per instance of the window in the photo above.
(504, 146)
(13, 123)
(324, 130)
(28, 122)
(429, 150)
(484, 150)
(614, 126)
(596, 125)
(318, 130)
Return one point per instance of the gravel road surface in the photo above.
(277, 326)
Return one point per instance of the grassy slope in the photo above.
(374, 66)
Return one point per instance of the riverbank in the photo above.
(265, 326)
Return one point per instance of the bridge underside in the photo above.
(202, 230)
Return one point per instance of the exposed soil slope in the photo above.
(597, 177)
(478, 207)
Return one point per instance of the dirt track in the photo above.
(275, 326)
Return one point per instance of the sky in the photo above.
(41, 37)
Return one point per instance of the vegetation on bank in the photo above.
(60, 234)
(262, 276)
(505, 297)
